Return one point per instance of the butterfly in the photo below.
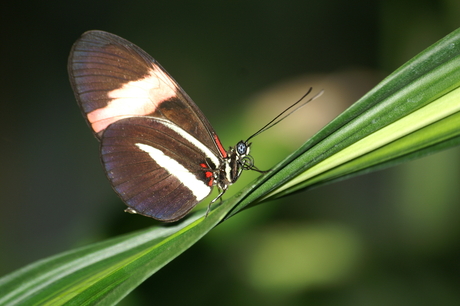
(160, 153)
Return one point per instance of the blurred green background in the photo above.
(390, 237)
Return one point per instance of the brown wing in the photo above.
(114, 79)
(155, 167)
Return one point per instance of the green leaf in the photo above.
(435, 123)
(413, 112)
(103, 273)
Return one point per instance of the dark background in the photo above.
(390, 237)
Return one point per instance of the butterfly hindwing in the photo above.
(157, 168)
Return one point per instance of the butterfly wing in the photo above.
(113, 79)
(157, 168)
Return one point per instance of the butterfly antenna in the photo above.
(287, 112)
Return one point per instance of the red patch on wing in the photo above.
(219, 145)
(211, 181)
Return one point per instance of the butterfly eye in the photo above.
(242, 148)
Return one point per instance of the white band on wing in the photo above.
(199, 188)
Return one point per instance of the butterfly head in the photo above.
(244, 160)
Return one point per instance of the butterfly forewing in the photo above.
(155, 167)
(114, 79)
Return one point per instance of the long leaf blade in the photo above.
(420, 82)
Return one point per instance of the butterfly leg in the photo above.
(219, 196)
